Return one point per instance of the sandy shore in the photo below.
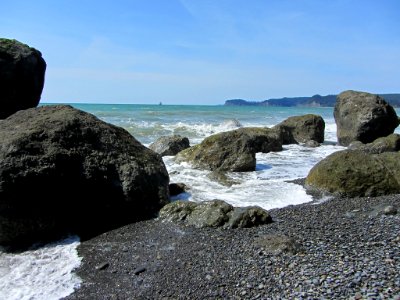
(347, 249)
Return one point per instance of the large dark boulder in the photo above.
(65, 171)
(215, 213)
(363, 117)
(170, 145)
(301, 129)
(232, 150)
(22, 71)
(355, 173)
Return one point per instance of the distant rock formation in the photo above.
(314, 101)
(65, 171)
(363, 117)
(22, 72)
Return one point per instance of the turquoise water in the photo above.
(266, 187)
(47, 273)
(148, 122)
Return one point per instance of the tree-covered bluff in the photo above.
(313, 101)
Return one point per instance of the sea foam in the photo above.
(43, 273)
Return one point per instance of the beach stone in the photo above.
(355, 173)
(300, 129)
(65, 171)
(311, 144)
(22, 72)
(363, 117)
(215, 213)
(139, 270)
(232, 150)
(177, 211)
(277, 244)
(390, 210)
(246, 217)
(390, 143)
(170, 145)
(102, 266)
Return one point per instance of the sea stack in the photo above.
(363, 117)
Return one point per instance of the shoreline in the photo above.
(349, 249)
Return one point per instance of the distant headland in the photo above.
(313, 101)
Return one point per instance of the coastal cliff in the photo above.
(313, 101)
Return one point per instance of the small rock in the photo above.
(139, 270)
(390, 210)
(102, 266)
(311, 144)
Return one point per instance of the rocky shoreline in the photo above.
(99, 177)
(340, 248)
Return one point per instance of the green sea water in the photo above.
(148, 122)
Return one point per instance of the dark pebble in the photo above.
(139, 270)
(102, 266)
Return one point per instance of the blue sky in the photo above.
(207, 51)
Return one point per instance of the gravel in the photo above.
(350, 249)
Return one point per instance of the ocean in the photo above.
(266, 187)
(47, 273)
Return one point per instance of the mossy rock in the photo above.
(355, 173)
(390, 143)
(177, 211)
(233, 150)
(210, 214)
(215, 213)
(301, 129)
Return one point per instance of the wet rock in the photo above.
(170, 145)
(222, 178)
(311, 144)
(233, 150)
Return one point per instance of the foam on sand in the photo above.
(43, 273)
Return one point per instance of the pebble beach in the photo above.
(339, 248)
